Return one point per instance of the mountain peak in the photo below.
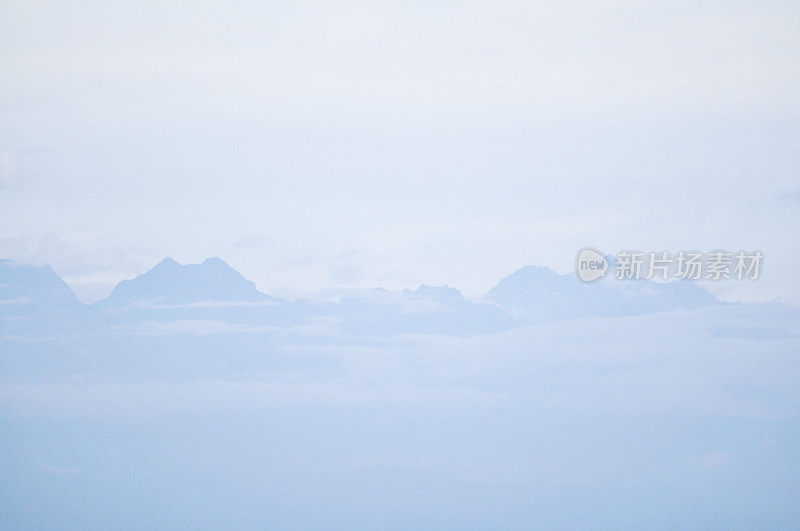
(34, 285)
(167, 262)
(169, 282)
(216, 263)
(541, 294)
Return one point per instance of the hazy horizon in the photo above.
(95, 292)
(322, 149)
(366, 145)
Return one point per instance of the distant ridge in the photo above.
(169, 282)
(537, 294)
(33, 297)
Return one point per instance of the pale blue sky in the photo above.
(318, 145)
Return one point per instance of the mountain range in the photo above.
(35, 298)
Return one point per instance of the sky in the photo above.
(317, 145)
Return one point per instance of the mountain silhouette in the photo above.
(170, 283)
(39, 286)
(539, 294)
(35, 300)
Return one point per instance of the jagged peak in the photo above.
(171, 282)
